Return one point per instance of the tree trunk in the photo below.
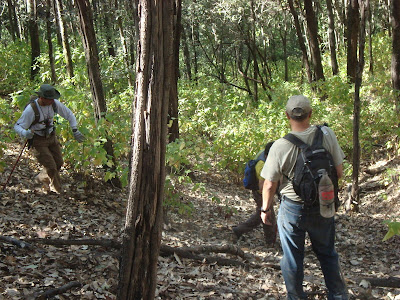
(173, 111)
(49, 42)
(142, 234)
(186, 54)
(124, 47)
(312, 30)
(300, 38)
(370, 31)
(34, 36)
(96, 84)
(353, 26)
(64, 38)
(12, 17)
(332, 38)
(395, 68)
(355, 195)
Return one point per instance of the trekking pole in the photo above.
(8, 179)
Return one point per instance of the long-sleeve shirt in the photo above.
(46, 117)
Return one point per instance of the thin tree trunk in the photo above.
(142, 234)
(124, 47)
(300, 38)
(395, 68)
(96, 84)
(312, 30)
(332, 38)
(355, 194)
(34, 37)
(12, 17)
(49, 42)
(353, 26)
(186, 54)
(64, 37)
(173, 112)
(370, 31)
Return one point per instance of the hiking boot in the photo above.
(43, 181)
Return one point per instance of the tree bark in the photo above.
(12, 17)
(93, 67)
(353, 27)
(355, 195)
(300, 38)
(186, 54)
(395, 67)
(34, 37)
(142, 233)
(312, 30)
(173, 112)
(49, 42)
(64, 39)
(332, 38)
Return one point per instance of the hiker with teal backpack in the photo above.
(37, 125)
(254, 182)
(300, 160)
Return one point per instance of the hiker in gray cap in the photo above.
(298, 216)
(37, 125)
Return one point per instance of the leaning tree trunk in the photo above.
(312, 30)
(64, 38)
(396, 52)
(34, 36)
(142, 234)
(301, 40)
(96, 84)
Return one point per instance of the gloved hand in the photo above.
(28, 134)
(78, 135)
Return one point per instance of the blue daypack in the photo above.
(250, 180)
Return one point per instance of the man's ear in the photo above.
(287, 115)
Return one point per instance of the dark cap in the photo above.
(298, 106)
(49, 92)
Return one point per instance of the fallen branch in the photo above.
(88, 242)
(229, 249)
(57, 291)
(185, 252)
(390, 282)
(13, 241)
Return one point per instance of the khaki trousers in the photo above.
(48, 153)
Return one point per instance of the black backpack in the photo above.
(312, 158)
(32, 103)
(250, 180)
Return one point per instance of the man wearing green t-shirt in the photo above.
(255, 220)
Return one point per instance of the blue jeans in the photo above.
(294, 220)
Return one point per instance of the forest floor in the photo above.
(97, 211)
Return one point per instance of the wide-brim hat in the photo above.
(48, 91)
(298, 106)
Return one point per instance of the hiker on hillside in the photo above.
(295, 216)
(37, 125)
(255, 220)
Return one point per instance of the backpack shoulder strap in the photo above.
(55, 107)
(318, 138)
(295, 140)
(36, 111)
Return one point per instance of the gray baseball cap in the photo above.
(49, 92)
(298, 106)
